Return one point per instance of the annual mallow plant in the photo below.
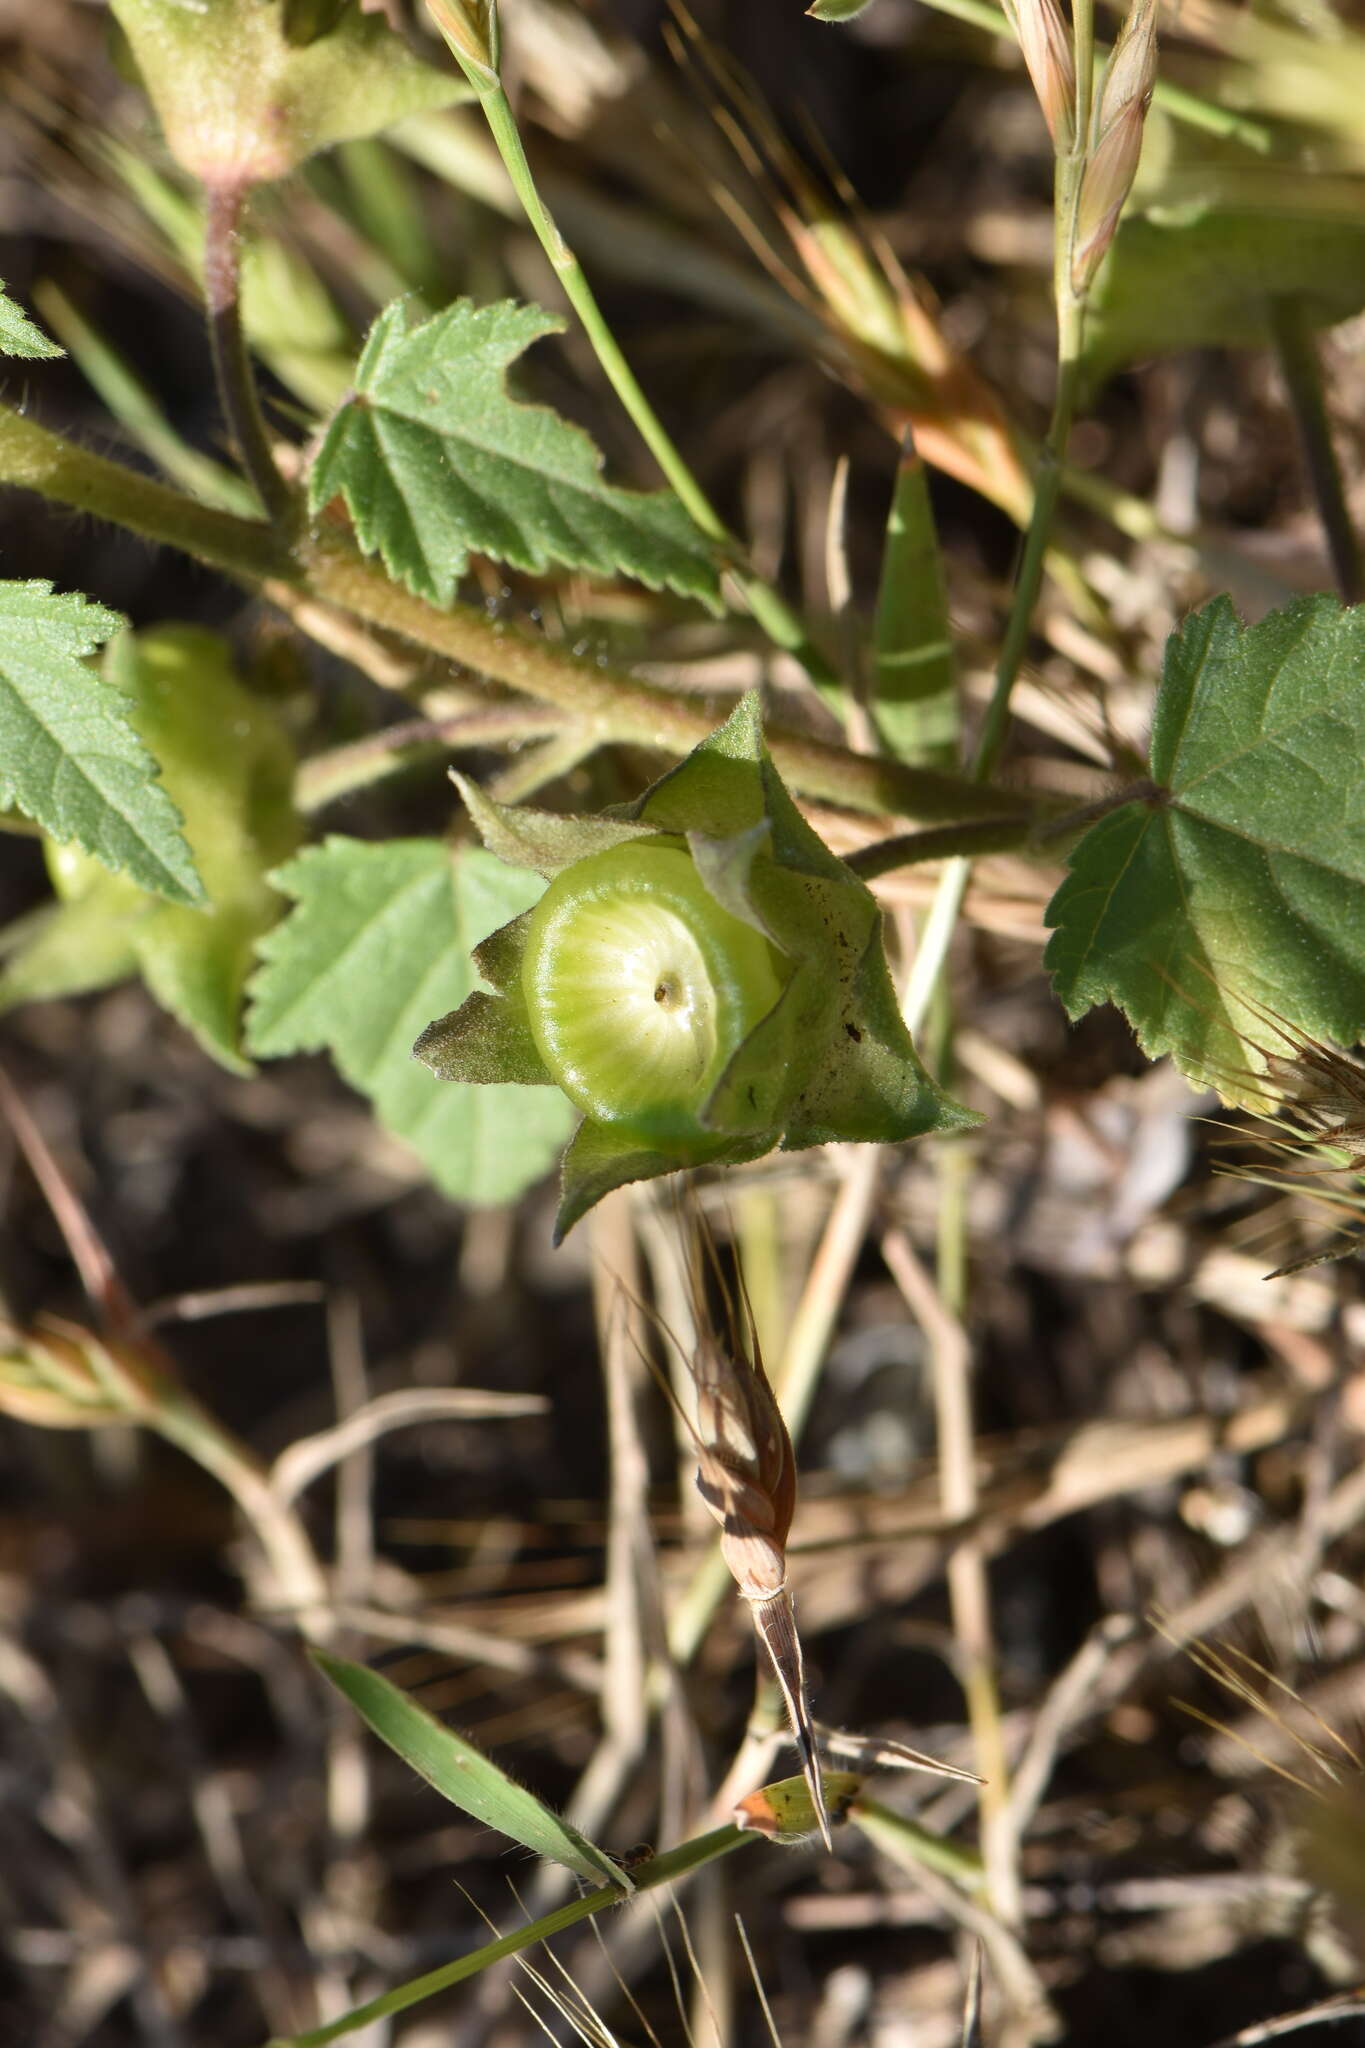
(633, 948)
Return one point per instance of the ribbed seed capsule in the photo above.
(640, 987)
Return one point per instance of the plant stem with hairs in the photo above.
(617, 706)
(228, 346)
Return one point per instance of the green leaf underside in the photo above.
(228, 764)
(20, 336)
(379, 942)
(914, 699)
(1206, 277)
(464, 1775)
(1242, 890)
(69, 756)
(435, 459)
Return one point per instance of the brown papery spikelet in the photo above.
(1116, 142)
(746, 1474)
(1044, 38)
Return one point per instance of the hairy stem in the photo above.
(620, 707)
(938, 842)
(623, 708)
(40, 461)
(232, 369)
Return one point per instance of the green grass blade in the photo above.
(138, 413)
(914, 700)
(659, 1870)
(464, 1775)
(909, 1844)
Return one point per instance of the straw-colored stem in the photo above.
(299, 1583)
(938, 1312)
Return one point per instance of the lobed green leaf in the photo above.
(70, 757)
(434, 458)
(380, 940)
(20, 336)
(1238, 886)
(227, 762)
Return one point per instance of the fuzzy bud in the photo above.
(1045, 42)
(1116, 141)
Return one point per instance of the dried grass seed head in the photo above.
(1116, 141)
(1044, 37)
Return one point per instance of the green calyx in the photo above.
(703, 978)
(246, 90)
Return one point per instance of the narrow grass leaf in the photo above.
(914, 701)
(656, 1870)
(464, 1775)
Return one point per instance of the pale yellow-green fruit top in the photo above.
(640, 987)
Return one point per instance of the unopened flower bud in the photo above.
(471, 29)
(1116, 141)
(1045, 42)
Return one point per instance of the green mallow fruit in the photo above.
(640, 989)
(703, 978)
